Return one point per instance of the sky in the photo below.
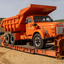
(9, 8)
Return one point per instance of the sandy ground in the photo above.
(9, 56)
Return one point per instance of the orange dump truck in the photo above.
(34, 24)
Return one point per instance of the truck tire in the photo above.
(38, 41)
(12, 39)
(7, 38)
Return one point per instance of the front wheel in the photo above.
(38, 41)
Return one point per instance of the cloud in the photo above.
(10, 8)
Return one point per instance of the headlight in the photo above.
(46, 31)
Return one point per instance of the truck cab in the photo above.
(43, 27)
(34, 23)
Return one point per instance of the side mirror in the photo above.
(26, 21)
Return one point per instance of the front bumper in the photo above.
(49, 38)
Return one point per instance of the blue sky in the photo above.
(9, 8)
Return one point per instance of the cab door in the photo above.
(29, 26)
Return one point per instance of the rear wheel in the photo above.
(12, 39)
(7, 38)
(38, 41)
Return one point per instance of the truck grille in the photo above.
(59, 30)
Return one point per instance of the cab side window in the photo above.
(30, 20)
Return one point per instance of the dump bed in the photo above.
(17, 22)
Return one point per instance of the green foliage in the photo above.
(1, 19)
(60, 20)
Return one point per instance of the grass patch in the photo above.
(1, 19)
(61, 20)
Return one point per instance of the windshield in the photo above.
(42, 19)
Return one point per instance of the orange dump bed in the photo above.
(17, 22)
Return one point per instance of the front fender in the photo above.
(41, 32)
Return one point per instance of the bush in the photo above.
(1, 19)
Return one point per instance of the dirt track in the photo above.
(9, 56)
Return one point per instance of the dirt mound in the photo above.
(3, 60)
(1, 53)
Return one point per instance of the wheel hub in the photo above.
(37, 41)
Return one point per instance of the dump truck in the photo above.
(32, 23)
